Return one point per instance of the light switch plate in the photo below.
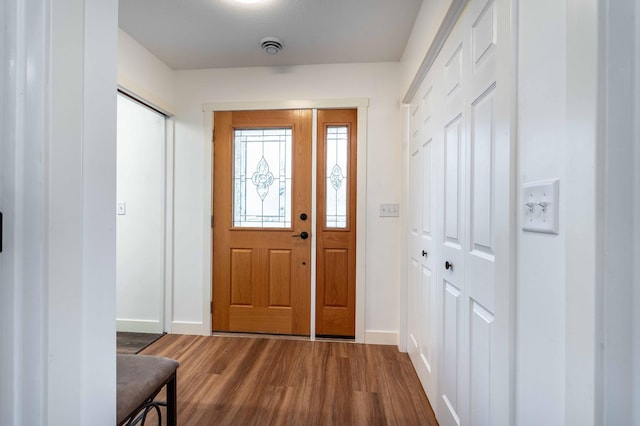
(540, 206)
(122, 208)
(389, 210)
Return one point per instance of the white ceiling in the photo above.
(195, 34)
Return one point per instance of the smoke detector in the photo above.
(271, 45)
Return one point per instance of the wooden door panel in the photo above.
(241, 276)
(280, 278)
(336, 278)
(336, 239)
(261, 275)
(251, 319)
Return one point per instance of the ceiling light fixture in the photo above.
(249, 1)
(271, 45)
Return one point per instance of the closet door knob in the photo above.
(424, 253)
(448, 265)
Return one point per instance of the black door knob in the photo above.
(304, 235)
(448, 265)
(303, 216)
(424, 253)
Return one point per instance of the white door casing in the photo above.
(469, 342)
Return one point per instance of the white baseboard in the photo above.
(183, 327)
(381, 337)
(139, 326)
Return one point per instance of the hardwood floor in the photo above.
(261, 381)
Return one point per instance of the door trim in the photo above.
(361, 104)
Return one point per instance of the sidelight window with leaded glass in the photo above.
(337, 161)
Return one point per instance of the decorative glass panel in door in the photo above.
(337, 162)
(262, 178)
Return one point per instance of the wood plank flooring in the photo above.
(261, 381)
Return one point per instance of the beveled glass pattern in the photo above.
(337, 160)
(262, 178)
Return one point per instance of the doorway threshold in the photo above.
(282, 337)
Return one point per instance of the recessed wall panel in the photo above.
(484, 33)
(414, 305)
(427, 107)
(426, 315)
(452, 179)
(482, 166)
(415, 188)
(453, 72)
(241, 283)
(336, 273)
(450, 355)
(427, 173)
(481, 328)
(415, 120)
(280, 277)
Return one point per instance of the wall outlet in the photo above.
(390, 210)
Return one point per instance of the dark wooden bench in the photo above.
(139, 379)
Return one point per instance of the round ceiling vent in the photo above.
(271, 45)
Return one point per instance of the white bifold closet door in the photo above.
(454, 176)
(140, 224)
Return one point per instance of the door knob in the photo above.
(303, 216)
(424, 253)
(448, 265)
(304, 235)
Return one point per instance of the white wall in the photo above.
(80, 195)
(378, 82)
(431, 14)
(540, 388)
(620, 208)
(558, 276)
(58, 298)
(141, 230)
(143, 74)
(23, 366)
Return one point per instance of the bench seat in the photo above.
(139, 379)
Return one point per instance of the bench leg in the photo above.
(172, 403)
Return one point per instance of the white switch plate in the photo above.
(540, 206)
(389, 210)
(122, 208)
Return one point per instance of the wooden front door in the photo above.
(262, 221)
